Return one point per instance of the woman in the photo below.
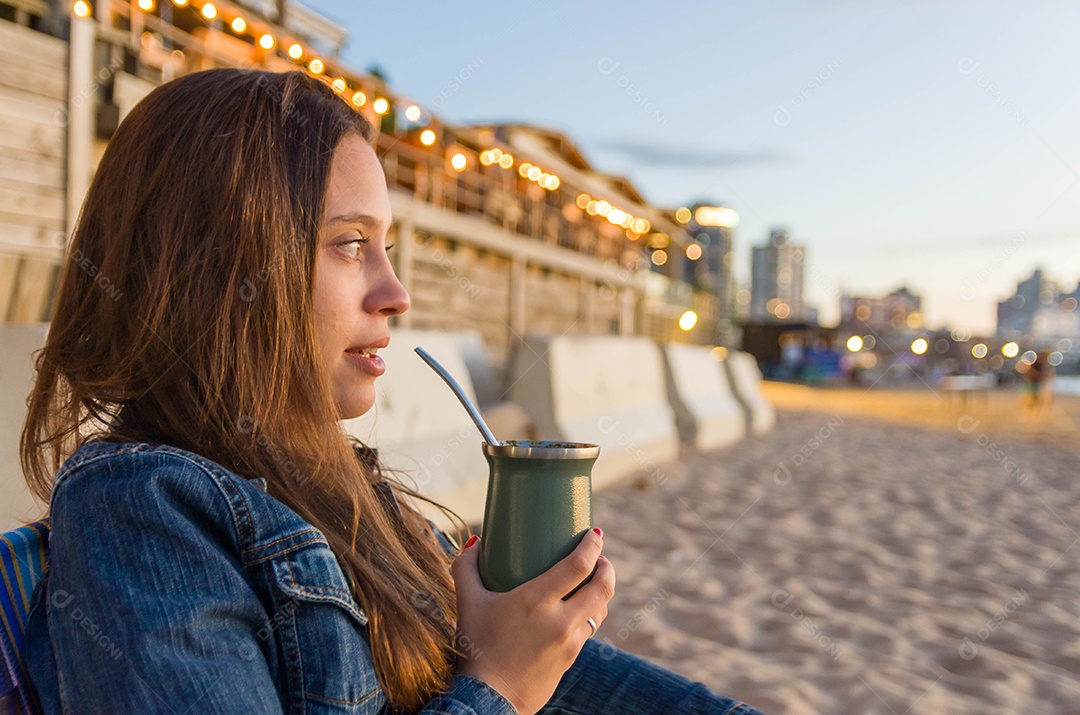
(218, 544)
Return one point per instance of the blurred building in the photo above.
(503, 228)
(708, 259)
(1041, 309)
(896, 312)
(777, 276)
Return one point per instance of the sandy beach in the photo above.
(888, 551)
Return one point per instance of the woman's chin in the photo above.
(357, 404)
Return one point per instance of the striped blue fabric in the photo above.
(22, 562)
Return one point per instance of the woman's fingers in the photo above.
(567, 574)
(593, 598)
(464, 569)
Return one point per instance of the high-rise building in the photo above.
(1039, 308)
(776, 280)
(709, 258)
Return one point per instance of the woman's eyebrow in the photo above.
(363, 218)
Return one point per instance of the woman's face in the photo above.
(356, 290)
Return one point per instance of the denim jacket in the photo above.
(176, 586)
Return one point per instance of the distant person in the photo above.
(1037, 394)
(218, 543)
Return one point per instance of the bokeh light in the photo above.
(854, 343)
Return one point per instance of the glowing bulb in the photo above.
(683, 215)
(486, 159)
(919, 346)
(296, 51)
(359, 98)
(381, 106)
(81, 8)
(316, 66)
(854, 343)
(638, 226)
(412, 113)
(583, 200)
(979, 350)
(1010, 350)
(553, 182)
(146, 5)
(688, 320)
(523, 170)
(338, 85)
(180, 3)
(693, 251)
(266, 41)
(506, 161)
(535, 173)
(238, 24)
(603, 208)
(659, 257)
(458, 161)
(427, 137)
(209, 11)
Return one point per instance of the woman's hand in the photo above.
(521, 642)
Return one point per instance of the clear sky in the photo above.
(929, 143)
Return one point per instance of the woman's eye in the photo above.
(352, 248)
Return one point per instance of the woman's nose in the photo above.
(388, 296)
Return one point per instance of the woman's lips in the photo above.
(367, 361)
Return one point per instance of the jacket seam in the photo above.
(215, 478)
(316, 537)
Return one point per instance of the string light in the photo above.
(146, 5)
(238, 25)
(381, 105)
(338, 85)
(412, 113)
(180, 3)
(81, 8)
(506, 161)
(316, 66)
(427, 137)
(266, 41)
(209, 11)
(359, 98)
(296, 51)
(458, 161)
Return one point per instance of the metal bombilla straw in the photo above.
(465, 401)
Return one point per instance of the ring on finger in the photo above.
(592, 624)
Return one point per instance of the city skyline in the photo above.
(902, 144)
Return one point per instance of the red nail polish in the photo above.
(471, 541)
(599, 532)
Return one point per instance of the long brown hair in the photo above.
(185, 316)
